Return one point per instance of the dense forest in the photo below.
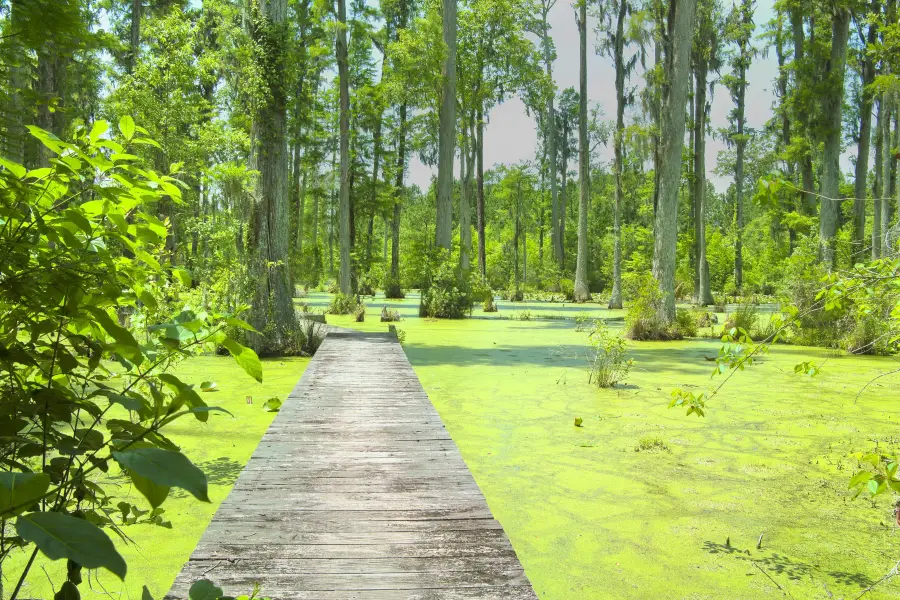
(293, 124)
(177, 175)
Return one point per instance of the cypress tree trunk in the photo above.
(615, 300)
(704, 294)
(672, 121)
(447, 134)
(398, 203)
(479, 199)
(376, 160)
(739, 185)
(830, 206)
(582, 292)
(890, 186)
(806, 165)
(564, 194)
(551, 135)
(880, 169)
(344, 75)
(273, 309)
(862, 155)
(465, 210)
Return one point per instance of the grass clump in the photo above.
(609, 365)
(745, 318)
(652, 444)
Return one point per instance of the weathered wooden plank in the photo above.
(357, 491)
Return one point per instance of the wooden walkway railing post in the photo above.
(357, 491)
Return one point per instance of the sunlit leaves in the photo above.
(165, 468)
(64, 536)
(92, 302)
(19, 490)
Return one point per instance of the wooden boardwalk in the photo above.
(357, 491)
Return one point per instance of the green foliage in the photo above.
(392, 288)
(879, 477)
(82, 263)
(746, 318)
(608, 363)
(342, 304)
(643, 320)
(449, 293)
(686, 322)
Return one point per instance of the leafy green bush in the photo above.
(83, 259)
(642, 321)
(342, 304)
(745, 319)
(449, 292)
(608, 363)
(488, 305)
(686, 323)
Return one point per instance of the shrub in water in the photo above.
(389, 315)
(608, 363)
(359, 313)
(642, 321)
(745, 318)
(488, 305)
(449, 292)
(685, 323)
(342, 304)
(392, 288)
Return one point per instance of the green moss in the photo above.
(588, 516)
(591, 518)
(221, 447)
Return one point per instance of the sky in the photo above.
(510, 134)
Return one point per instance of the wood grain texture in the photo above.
(357, 491)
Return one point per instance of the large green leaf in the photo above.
(154, 493)
(165, 468)
(126, 126)
(63, 536)
(20, 490)
(204, 590)
(245, 357)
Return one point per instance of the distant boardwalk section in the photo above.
(357, 491)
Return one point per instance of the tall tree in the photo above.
(447, 131)
(613, 17)
(833, 101)
(549, 54)
(739, 31)
(344, 195)
(866, 101)
(676, 41)
(705, 58)
(582, 291)
(273, 307)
